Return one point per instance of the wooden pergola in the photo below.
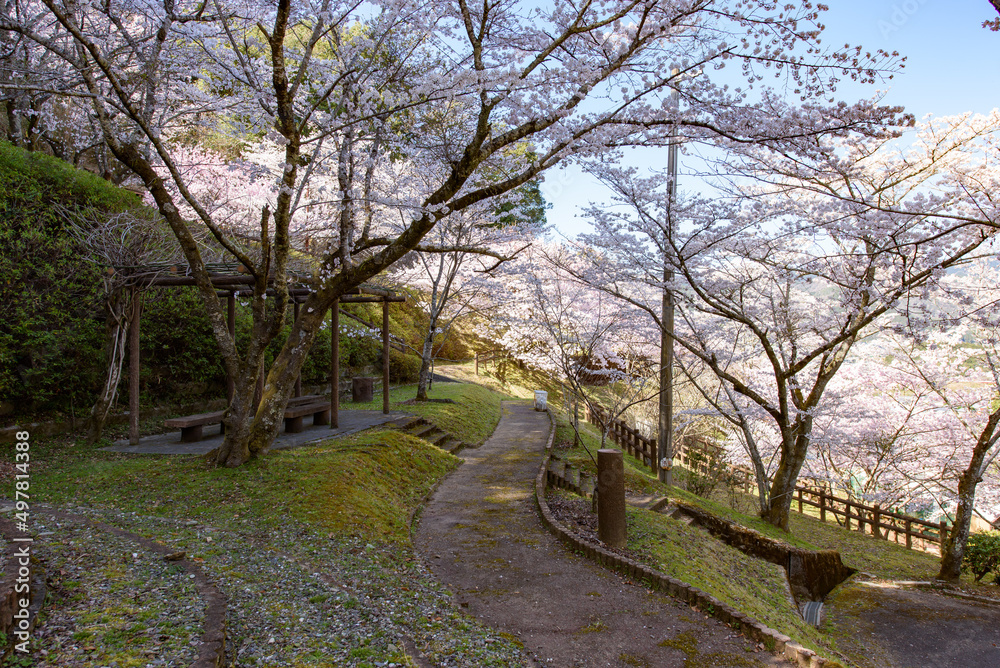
(230, 281)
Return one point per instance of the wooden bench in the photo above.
(307, 399)
(315, 404)
(320, 410)
(191, 425)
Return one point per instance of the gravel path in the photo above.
(482, 537)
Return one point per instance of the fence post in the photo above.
(876, 521)
(822, 505)
(798, 490)
(477, 362)
(909, 534)
(847, 514)
(861, 519)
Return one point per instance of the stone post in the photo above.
(611, 498)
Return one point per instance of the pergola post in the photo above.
(385, 356)
(335, 365)
(231, 318)
(298, 381)
(133, 370)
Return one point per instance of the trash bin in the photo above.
(540, 398)
(362, 389)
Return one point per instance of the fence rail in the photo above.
(625, 437)
(913, 532)
(487, 356)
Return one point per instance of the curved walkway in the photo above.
(883, 624)
(481, 536)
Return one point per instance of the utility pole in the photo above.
(664, 443)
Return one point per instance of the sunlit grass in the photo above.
(472, 417)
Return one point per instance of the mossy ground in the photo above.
(363, 487)
(366, 484)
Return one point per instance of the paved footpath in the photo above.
(910, 628)
(482, 537)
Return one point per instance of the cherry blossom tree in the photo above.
(451, 273)
(781, 275)
(994, 24)
(958, 366)
(323, 92)
(581, 336)
(914, 421)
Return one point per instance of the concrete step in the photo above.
(424, 431)
(452, 445)
(407, 421)
(437, 439)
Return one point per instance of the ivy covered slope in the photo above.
(50, 321)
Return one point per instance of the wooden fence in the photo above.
(702, 457)
(486, 357)
(626, 438)
(907, 530)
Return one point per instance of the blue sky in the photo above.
(950, 68)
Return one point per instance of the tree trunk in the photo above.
(760, 478)
(235, 450)
(953, 550)
(793, 457)
(426, 357)
(283, 373)
(119, 309)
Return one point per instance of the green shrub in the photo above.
(704, 474)
(982, 555)
(180, 360)
(51, 319)
(403, 368)
(359, 347)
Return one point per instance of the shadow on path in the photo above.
(481, 536)
(886, 626)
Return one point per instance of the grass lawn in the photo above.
(318, 534)
(318, 486)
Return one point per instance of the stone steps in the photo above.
(427, 431)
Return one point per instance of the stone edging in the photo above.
(945, 590)
(777, 642)
(212, 653)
